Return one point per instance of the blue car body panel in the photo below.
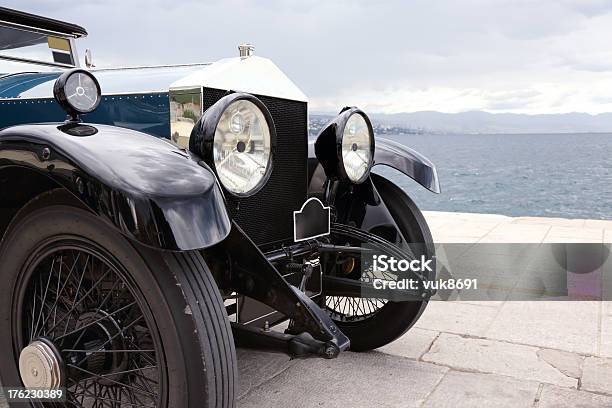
(147, 113)
(13, 85)
(133, 98)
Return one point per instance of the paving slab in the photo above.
(457, 317)
(435, 222)
(491, 270)
(437, 230)
(451, 253)
(463, 390)
(558, 397)
(597, 375)
(562, 272)
(563, 325)
(573, 234)
(605, 224)
(469, 228)
(561, 222)
(487, 256)
(512, 360)
(491, 296)
(353, 380)
(449, 238)
(413, 344)
(527, 229)
(477, 217)
(512, 249)
(517, 233)
(569, 364)
(462, 227)
(256, 367)
(605, 336)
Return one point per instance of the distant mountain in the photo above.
(318, 121)
(484, 122)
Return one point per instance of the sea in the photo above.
(543, 175)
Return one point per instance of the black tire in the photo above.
(393, 319)
(175, 292)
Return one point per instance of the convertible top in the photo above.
(43, 23)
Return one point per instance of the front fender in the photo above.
(408, 161)
(149, 189)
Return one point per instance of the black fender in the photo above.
(152, 191)
(408, 161)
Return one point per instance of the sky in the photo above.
(521, 56)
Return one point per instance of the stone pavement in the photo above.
(463, 354)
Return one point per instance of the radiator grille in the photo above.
(267, 217)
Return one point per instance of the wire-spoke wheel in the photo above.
(354, 309)
(371, 323)
(113, 323)
(80, 304)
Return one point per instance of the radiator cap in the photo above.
(246, 50)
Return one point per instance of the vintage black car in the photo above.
(152, 218)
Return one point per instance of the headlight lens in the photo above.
(242, 147)
(357, 154)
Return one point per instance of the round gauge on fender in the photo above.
(77, 91)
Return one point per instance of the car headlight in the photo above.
(236, 136)
(345, 146)
(357, 148)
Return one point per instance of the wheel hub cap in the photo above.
(40, 366)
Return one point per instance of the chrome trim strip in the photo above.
(74, 52)
(195, 64)
(18, 73)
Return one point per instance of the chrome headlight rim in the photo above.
(341, 122)
(201, 141)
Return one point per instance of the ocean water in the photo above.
(557, 175)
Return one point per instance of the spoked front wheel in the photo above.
(370, 322)
(114, 324)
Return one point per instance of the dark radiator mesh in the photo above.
(267, 216)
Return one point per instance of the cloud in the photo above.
(533, 56)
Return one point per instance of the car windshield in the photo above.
(32, 50)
